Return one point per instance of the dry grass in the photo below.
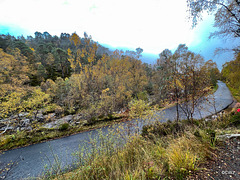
(143, 159)
(158, 154)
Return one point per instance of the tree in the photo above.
(182, 78)
(226, 12)
(61, 61)
(212, 72)
(139, 52)
(14, 68)
(231, 72)
(163, 75)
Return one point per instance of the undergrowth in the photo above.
(170, 150)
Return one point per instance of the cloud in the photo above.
(152, 25)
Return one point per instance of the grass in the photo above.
(235, 93)
(141, 159)
(163, 151)
(168, 150)
(214, 88)
(38, 134)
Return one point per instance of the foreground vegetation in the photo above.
(170, 150)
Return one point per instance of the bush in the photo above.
(184, 154)
(64, 127)
(137, 107)
(101, 116)
(143, 96)
(162, 129)
(92, 120)
(235, 119)
(206, 136)
(110, 116)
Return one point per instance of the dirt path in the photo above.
(225, 165)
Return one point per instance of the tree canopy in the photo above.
(226, 12)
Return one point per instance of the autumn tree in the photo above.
(163, 75)
(168, 68)
(231, 73)
(14, 68)
(194, 81)
(212, 72)
(182, 78)
(83, 53)
(226, 12)
(15, 94)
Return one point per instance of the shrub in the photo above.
(110, 116)
(64, 127)
(183, 155)
(143, 96)
(92, 120)
(162, 129)
(137, 107)
(101, 116)
(206, 136)
(235, 119)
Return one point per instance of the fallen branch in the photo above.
(5, 129)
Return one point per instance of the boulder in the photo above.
(77, 117)
(50, 116)
(29, 128)
(58, 122)
(49, 125)
(22, 129)
(9, 128)
(81, 122)
(229, 136)
(40, 115)
(207, 119)
(25, 122)
(23, 114)
(67, 119)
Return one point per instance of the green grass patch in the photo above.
(235, 93)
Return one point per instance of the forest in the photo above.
(72, 74)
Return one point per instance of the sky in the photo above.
(153, 25)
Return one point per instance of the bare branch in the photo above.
(233, 14)
(5, 129)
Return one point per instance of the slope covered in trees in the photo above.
(71, 74)
(231, 75)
